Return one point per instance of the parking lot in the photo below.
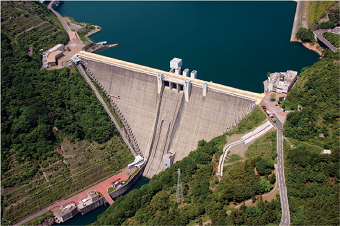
(273, 107)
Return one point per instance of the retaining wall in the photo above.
(128, 185)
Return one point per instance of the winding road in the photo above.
(256, 133)
(285, 219)
(318, 34)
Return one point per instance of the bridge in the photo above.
(167, 113)
(318, 35)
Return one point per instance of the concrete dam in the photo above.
(166, 114)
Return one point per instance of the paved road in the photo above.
(226, 148)
(61, 19)
(256, 133)
(285, 219)
(74, 45)
(25, 220)
(318, 34)
(81, 69)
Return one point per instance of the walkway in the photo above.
(318, 35)
(31, 217)
(256, 133)
(99, 97)
(179, 79)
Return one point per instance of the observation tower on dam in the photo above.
(168, 112)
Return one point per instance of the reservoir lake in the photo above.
(230, 43)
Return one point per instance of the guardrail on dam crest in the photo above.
(165, 113)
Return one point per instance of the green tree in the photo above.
(326, 25)
(305, 34)
(265, 185)
(273, 97)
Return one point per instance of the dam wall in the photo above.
(204, 118)
(172, 100)
(137, 97)
(166, 112)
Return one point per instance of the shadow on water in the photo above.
(92, 216)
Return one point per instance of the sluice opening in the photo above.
(173, 85)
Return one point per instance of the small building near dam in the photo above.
(281, 82)
(63, 213)
(89, 203)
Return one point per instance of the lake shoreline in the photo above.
(296, 26)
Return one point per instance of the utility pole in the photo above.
(179, 192)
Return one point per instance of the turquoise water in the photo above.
(231, 43)
(91, 217)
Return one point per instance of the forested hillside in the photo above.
(317, 92)
(42, 108)
(312, 178)
(205, 197)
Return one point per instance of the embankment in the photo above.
(297, 21)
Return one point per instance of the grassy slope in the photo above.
(317, 11)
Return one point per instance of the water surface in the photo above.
(231, 43)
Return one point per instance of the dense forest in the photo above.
(317, 92)
(34, 101)
(42, 108)
(312, 184)
(205, 197)
(312, 179)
